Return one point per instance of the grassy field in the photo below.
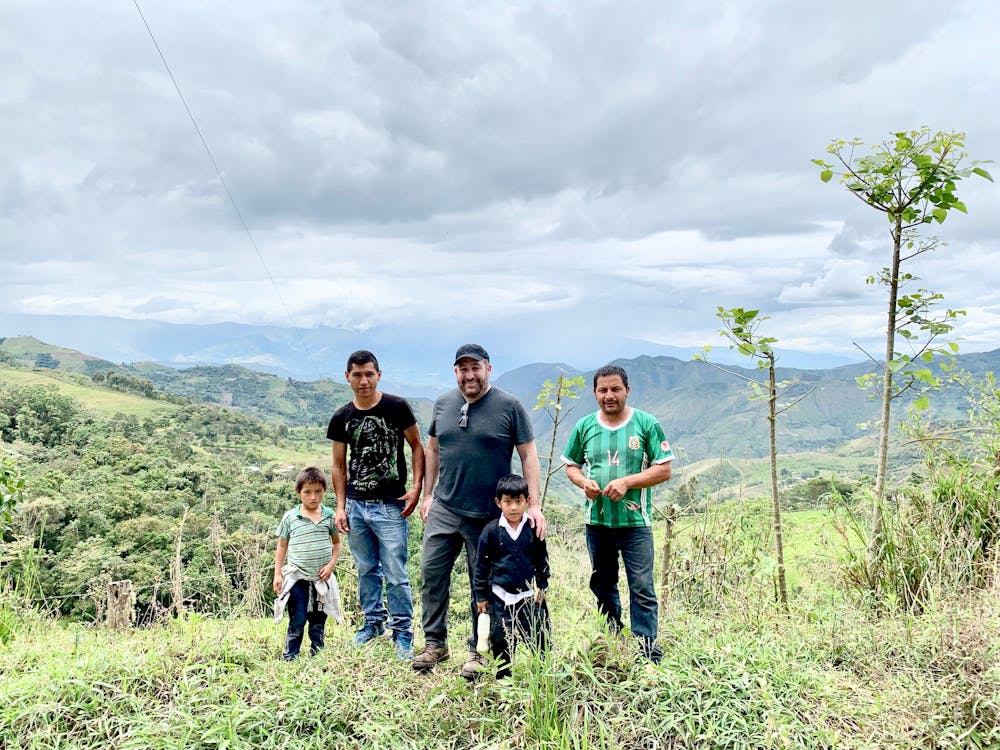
(741, 675)
(749, 477)
(98, 400)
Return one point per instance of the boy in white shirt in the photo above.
(512, 576)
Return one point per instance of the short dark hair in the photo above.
(362, 357)
(512, 485)
(608, 370)
(310, 475)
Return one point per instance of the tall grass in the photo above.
(738, 674)
(940, 532)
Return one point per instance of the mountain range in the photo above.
(706, 411)
(415, 362)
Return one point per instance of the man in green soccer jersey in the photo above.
(616, 455)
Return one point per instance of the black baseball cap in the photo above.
(472, 351)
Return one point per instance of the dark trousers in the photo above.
(635, 548)
(511, 624)
(298, 616)
(445, 534)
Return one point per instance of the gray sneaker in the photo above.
(430, 655)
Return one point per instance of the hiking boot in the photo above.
(404, 646)
(474, 666)
(430, 655)
(369, 632)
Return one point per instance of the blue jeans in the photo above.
(635, 545)
(298, 616)
(378, 541)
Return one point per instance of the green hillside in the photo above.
(101, 401)
(25, 351)
(706, 412)
(708, 415)
(266, 397)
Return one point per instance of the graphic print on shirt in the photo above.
(374, 452)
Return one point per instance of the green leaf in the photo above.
(940, 214)
(922, 403)
(982, 173)
(826, 175)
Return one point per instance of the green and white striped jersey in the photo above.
(606, 454)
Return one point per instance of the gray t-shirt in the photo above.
(474, 457)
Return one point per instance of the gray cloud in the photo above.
(407, 161)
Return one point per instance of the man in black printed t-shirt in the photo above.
(373, 502)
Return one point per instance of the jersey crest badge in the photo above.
(633, 442)
(665, 446)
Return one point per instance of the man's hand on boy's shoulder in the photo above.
(537, 520)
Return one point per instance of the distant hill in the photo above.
(27, 351)
(266, 397)
(706, 412)
(418, 359)
(527, 381)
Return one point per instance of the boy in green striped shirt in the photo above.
(616, 455)
(308, 548)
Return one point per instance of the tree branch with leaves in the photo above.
(552, 399)
(912, 179)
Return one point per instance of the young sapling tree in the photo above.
(740, 326)
(551, 398)
(911, 178)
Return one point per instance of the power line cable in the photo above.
(218, 171)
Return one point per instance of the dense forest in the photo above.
(121, 496)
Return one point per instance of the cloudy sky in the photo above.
(587, 168)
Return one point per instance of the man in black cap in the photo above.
(473, 434)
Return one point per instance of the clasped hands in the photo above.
(614, 490)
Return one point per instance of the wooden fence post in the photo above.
(670, 517)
